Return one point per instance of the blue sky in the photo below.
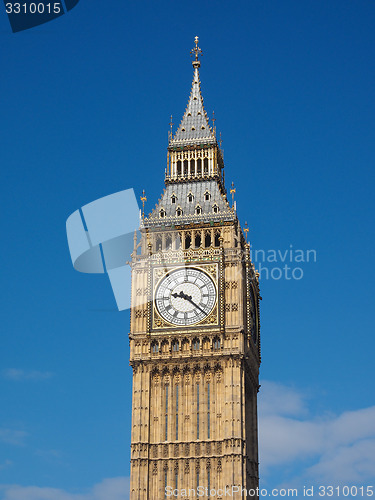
(86, 103)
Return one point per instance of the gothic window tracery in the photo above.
(217, 238)
(199, 167)
(168, 242)
(207, 239)
(216, 343)
(178, 240)
(187, 240)
(159, 243)
(192, 168)
(198, 240)
(205, 166)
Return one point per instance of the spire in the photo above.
(194, 127)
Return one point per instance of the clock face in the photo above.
(185, 296)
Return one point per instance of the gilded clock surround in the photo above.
(159, 273)
(194, 407)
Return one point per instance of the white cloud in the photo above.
(10, 436)
(352, 463)
(336, 449)
(280, 399)
(109, 489)
(20, 375)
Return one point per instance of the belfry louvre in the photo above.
(194, 337)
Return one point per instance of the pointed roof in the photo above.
(194, 127)
(181, 191)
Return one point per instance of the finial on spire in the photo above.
(246, 230)
(171, 125)
(143, 199)
(232, 192)
(195, 52)
(213, 122)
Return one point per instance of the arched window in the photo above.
(217, 238)
(159, 243)
(185, 345)
(173, 198)
(198, 210)
(186, 163)
(154, 347)
(215, 209)
(207, 239)
(198, 240)
(162, 213)
(177, 243)
(190, 198)
(168, 242)
(179, 168)
(192, 168)
(199, 167)
(207, 196)
(179, 212)
(187, 240)
(205, 166)
(196, 344)
(175, 346)
(216, 343)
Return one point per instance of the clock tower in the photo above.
(194, 340)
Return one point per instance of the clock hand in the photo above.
(183, 295)
(180, 295)
(188, 298)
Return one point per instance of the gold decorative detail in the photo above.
(246, 230)
(143, 200)
(158, 322)
(232, 192)
(195, 52)
(158, 273)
